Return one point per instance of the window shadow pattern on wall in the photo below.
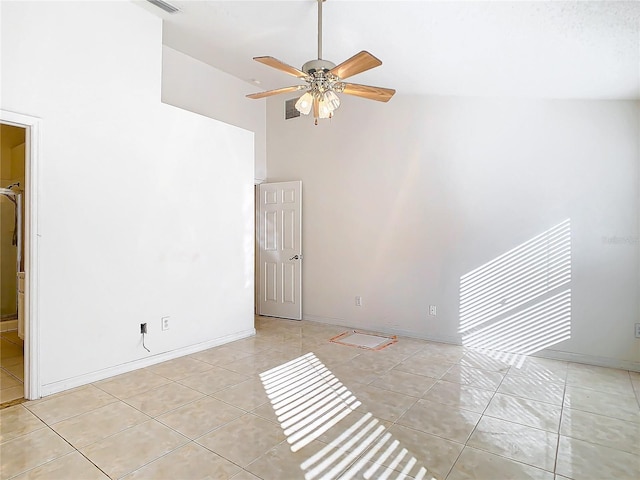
(520, 302)
(311, 403)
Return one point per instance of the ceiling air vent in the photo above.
(167, 7)
(290, 110)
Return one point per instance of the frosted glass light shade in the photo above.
(324, 110)
(304, 103)
(332, 100)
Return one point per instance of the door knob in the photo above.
(296, 257)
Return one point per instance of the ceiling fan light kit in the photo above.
(324, 80)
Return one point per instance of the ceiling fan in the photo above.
(324, 80)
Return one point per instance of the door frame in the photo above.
(31, 235)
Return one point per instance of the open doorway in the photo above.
(20, 335)
(12, 254)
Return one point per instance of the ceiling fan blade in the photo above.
(316, 108)
(372, 93)
(283, 67)
(359, 63)
(268, 93)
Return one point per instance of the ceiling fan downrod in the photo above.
(317, 70)
(320, 29)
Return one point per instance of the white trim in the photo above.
(8, 325)
(547, 353)
(85, 379)
(589, 360)
(32, 192)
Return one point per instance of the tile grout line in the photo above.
(149, 418)
(466, 443)
(394, 423)
(636, 392)
(421, 398)
(49, 426)
(417, 399)
(555, 463)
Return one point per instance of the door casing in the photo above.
(32, 189)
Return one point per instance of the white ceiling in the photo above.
(549, 49)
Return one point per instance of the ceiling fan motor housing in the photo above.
(319, 65)
(320, 79)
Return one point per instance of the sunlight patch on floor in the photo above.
(309, 401)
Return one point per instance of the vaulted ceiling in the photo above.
(548, 49)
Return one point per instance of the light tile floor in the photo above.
(416, 409)
(11, 367)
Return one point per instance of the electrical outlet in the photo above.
(637, 330)
(143, 328)
(165, 323)
(433, 311)
(358, 301)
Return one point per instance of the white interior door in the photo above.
(280, 250)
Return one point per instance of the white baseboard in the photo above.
(8, 325)
(589, 360)
(548, 353)
(62, 385)
(339, 322)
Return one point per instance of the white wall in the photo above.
(195, 86)
(146, 210)
(402, 199)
